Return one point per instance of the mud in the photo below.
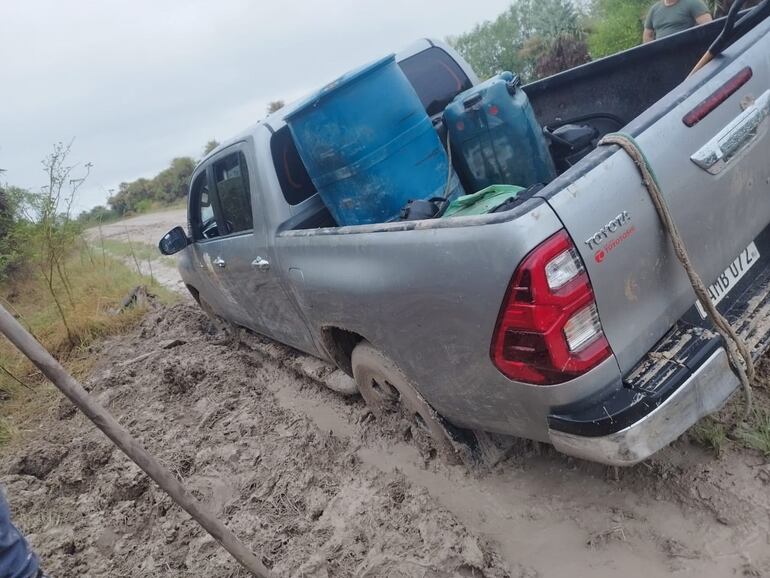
(317, 487)
(148, 228)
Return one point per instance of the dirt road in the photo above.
(147, 230)
(319, 488)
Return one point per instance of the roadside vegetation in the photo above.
(538, 38)
(137, 252)
(757, 435)
(66, 293)
(718, 432)
(167, 189)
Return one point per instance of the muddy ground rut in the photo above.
(318, 488)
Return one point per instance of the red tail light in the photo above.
(548, 330)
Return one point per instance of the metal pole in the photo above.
(130, 446)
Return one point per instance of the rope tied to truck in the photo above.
(738, 353)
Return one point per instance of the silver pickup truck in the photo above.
(568, 318)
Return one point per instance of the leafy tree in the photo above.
(210, 146)
(616, 25)
(492, 46)
(51, 232)
(529, 38)
(548, 19)
(274, 106)
(11, 229)
(97, 214)
(167, 186)
(566, 52)
(171, 184)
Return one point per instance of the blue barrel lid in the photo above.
(314, 99)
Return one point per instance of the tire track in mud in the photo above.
(296, 494)
(682, 511)
(307, 476)
(555, 515)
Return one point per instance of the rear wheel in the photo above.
(387, 390)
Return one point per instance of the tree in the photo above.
(275, 106)
(529, 38)
(54, 232)
(12, 226)
(564, 53)
(167, 186)
(170, 184)
(555, 37)
(97, 214)
(616, 25)
(210, 146)
(492, 46)
(548, 19)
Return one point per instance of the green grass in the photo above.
(148, 206)
(141, 251)
(6, 432)
(711, 434)
(98, 286)
(756, 434)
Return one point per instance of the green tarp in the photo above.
(482, 202)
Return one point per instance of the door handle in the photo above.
(714, 156)
(260, 264)
(219, 262)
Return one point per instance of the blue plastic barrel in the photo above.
(369, 146)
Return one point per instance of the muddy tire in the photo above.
(219, 325)
(387, 390)
(208, 310)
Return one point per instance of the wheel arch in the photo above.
(339, 344)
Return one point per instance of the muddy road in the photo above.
(318, 488)
(144, 230)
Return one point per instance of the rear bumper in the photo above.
(705, 391)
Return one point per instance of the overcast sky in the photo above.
(138, 82)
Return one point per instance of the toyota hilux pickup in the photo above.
(566, 319)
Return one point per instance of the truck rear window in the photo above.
(436, 77)
(292, 176)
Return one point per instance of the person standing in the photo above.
(670, 16)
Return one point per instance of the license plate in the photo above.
(729, 279)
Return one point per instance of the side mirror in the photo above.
(173, 241)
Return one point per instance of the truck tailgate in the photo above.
(715, 176)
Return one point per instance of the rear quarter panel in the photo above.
(429, 298)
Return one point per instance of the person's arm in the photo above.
(649, 30)
(699, 12)
(703, 18)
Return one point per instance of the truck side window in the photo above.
(292, 175)
(232, 183)
(436, 78)
(204, 223)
